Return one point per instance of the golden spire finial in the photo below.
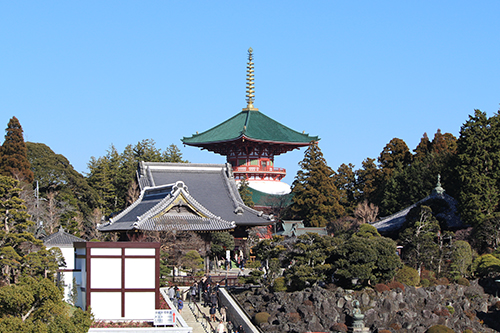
(250, 83)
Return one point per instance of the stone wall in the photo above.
(410, 310)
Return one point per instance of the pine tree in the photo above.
(369, 181)
(345, 181)
(13, 155)
(478, 167)
(396, 151)
(315, 196)
(245, 193)
(423, 149)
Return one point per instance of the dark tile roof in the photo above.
(206, 193)
(61, 238)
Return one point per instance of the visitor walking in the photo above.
(212, 313)
(180, 305)
(221, 328)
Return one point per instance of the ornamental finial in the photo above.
(250, 83)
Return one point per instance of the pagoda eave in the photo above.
(246, 143)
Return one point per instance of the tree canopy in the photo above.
(13, 154)
(315, 195)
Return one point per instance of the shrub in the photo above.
(307, 302)
(443, 281)
(395, 326)
(440, 329)
(261, 317)
(339, 327)
(395, 285)
(425, 283)
(470, 314)
(451, 309)
(253, 264)
(384, 331)
(293, 317)
(279, 284)
(463, 282)
(380, 287)
(408, 276)
(443, 312)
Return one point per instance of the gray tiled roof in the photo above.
(395, 221)
(61, 238)
(209, 189)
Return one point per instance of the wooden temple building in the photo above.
(250, 140)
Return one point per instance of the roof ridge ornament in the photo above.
(250, 83)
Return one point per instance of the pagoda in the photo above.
(250, 140)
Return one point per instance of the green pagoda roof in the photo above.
(253, 125)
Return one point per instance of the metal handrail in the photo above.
(198, 314)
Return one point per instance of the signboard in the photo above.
(164, 317)
(228, 255)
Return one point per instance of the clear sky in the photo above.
(82, 75)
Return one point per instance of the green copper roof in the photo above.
(253, 125)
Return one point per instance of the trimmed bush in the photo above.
(339, 327)
(396, 285)
(380, 287)
(425, 283)
(440, 329)
(261, 317)
(408, 276)
(463, 282)
(279, 284)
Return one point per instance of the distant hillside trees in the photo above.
(65, 198)
(113, 175)
(13, 153)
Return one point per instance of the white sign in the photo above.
(228, 255)
(164, 317)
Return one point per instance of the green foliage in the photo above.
(439, 329)
(221, 241)
(486, 235)
(309, 257)
(395, 153)
(254, 277)
(193, 261)
(462, 256)
(420, 238)
(369, 181)
(279, 284)
(486, 265)
(478, 166)
(345, 181)
(13, 157)
(165, 271)
(365, 256)
(112, 176)
(315, 195)
(261, 317)
(55, 175)
(245, 193)
(408, 276)
(73, 295)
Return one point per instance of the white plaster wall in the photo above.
(69, 257)
(139, 252)
(140, 306)
(106, 306)
(105, 273)
(139, 273)
(96, 251)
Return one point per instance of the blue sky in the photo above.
(82, 75)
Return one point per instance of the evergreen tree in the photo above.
(423, 149)
(315, 196)
(394, 153)
(345, 181)
(13, 155)
(369, 181)
(246, 193)
(478, 168)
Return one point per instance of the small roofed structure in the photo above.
(186, 196)
(449, 215)
(292, 228)
(65, 242)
